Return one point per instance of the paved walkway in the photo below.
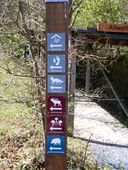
(109, 140)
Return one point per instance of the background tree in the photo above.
(22, 25)
(22, 28)
(22, 35)
(90, 13)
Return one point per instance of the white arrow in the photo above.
(55, 128)
(53, 108)
(57, 45)
(55, 67)
(53, 148)
(52, 88)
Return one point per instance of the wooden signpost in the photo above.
(56, 84)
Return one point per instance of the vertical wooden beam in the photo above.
(56, 84)
(87, 86)
(72, 84)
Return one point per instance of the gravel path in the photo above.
(109, 140)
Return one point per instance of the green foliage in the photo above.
(90, 13)
(14, 44)
(76, 154)
(1, 132)
(79, 156)
(14, 91)
(71, 104)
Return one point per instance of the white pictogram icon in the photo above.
(57, 105)
(56, 63)
(56, 122)
(56, 141)
(56, 38)
(56, 81)
(56, 144)
(56, 60)
(56, 41)
(56, 102)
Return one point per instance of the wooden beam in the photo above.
(101, 37)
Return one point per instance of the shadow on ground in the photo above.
(115, 110)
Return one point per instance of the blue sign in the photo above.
(56, 63)
(55, 144)
(56, 41)
(56, 84)
(56, 0)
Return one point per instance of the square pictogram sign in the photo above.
(56, 104)
(56, 41)
(56, 84)
(55, 144)
(56, 124)
(56, 63)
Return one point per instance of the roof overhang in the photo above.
(113, 38)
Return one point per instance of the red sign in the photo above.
(56, 104)
(105, 27)
(55, 124)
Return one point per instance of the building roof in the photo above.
(101, 37)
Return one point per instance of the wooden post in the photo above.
(56, 84)
(87, 86)
(72, 85)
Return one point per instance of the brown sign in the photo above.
(56, 105)
(55, 125)
(120, 28)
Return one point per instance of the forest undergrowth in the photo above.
(22, 142)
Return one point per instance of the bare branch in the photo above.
(9, 84)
